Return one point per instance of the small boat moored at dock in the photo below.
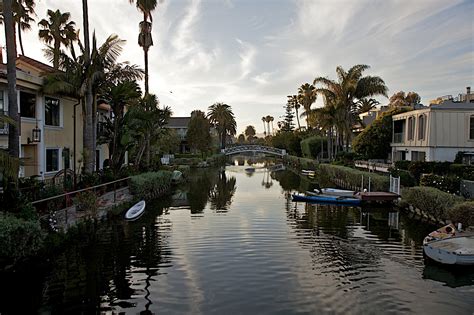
(135, 211)
(341, 200)
(336, 192)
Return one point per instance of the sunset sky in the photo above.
(251, 54)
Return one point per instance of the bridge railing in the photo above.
(254, 147)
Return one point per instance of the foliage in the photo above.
(216, 159)
(192, 161)
(366, 104)
(353, 177)
(406, 179)
(462, 212)
(403, 165)
(430, 200)
(399, 99)
(450, 184)
(417, 168)
(288, 125)
(458, 158)
(374, 141)
(150, 185)
(306, 97)
(290, 141)
(221, 116)
(19, 238)
(198, 134)
(311, 147)
(301, 163)
(86, 201)
(293, 102)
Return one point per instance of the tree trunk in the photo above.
(145, 51)
(88, 131)
(13, 130)
(56, 51)
(264, 130)
(20, 40)
(298, 118)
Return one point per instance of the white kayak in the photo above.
(456, 250)
(136, 211)
(337, 192)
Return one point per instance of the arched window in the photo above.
(421, 127)
(411, 128)
(471, 127)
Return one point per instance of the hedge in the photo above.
(150, 185)
(301, 163)
(352, 177)
(462, 212)
(19, 238)
(311, 147)
(449, 184)
(430, 200)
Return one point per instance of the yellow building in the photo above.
(53, 115)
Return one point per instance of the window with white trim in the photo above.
(421, 127)
(471, 128)
(27, 104)
(52, 160)
(411, 128)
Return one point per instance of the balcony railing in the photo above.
(398, 137)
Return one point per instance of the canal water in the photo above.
(232, 242)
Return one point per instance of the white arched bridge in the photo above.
(253, 148)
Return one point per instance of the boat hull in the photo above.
(451, 251)
(327, 199)
(135, 211)
(338, 192)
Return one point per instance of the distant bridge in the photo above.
(254, 149)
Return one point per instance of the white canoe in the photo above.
(457, 250)
(337, 192)
(136, 211)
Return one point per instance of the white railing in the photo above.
(373, 166)
(253, 148)
(395, 185)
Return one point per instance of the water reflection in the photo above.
(221, 195)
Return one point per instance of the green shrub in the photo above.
(311, 147)
(402, 165)
(301, 163)
(216, 159)
(289, 141)
(19, 238)
(86, 201)
(462, 212)
(406, 179)
(150, 185)
(187, 161)
(461, 170)
(353, 177)
(430, 200)
(449, 184)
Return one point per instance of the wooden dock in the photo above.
(377, 196)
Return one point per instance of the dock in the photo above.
(377, 196)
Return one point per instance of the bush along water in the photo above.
(463, 213)
(430, 201)
(151, 185)
(352, 178)
(450, 184)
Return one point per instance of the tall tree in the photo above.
(57, 29)
(198, 135)
(13, 128)
(399, 99)
(288, 124)
(344, 93)
(293, 101)
(306, 98)
(366, 104)
(145, 40)
(268, 119)
(23, 10)
(250, 133)
(223, 118)
(264, 127)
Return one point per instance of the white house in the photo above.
(435, 133)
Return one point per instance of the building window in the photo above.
(52, 160)
(51, 111)
(411, 128)
(27, 105)
(421, 127)
(418, 156)
(471, 128)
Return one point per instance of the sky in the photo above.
(251, 54)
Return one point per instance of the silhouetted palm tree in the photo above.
(223, 118)
(264, 127)
(306, 98)
(293, 101)
(57, 29)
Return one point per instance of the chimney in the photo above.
(468, 94)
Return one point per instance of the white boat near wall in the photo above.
(457, 250)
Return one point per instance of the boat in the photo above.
(450, 245)
(336, 192)
(308, 172)
(455, 250)
(176, 177)
(136, 211)
(316, 198)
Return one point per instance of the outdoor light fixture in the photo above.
(35, 135)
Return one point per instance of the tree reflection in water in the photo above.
(221, 195)
(199, 188)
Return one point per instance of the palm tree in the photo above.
(57, 30)
(366, 104)
(350, 87)
(271, 120)
(145, 39)
(223, 118)
(264, 127)
(293, 101)
(13, 129)
(267, 120)
(22, 12)
(306, 98)
(250, 133)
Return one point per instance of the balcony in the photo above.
(398, 137)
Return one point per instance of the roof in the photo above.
(35, 63)
(449, 104)
(178, 122)
(446, 105)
